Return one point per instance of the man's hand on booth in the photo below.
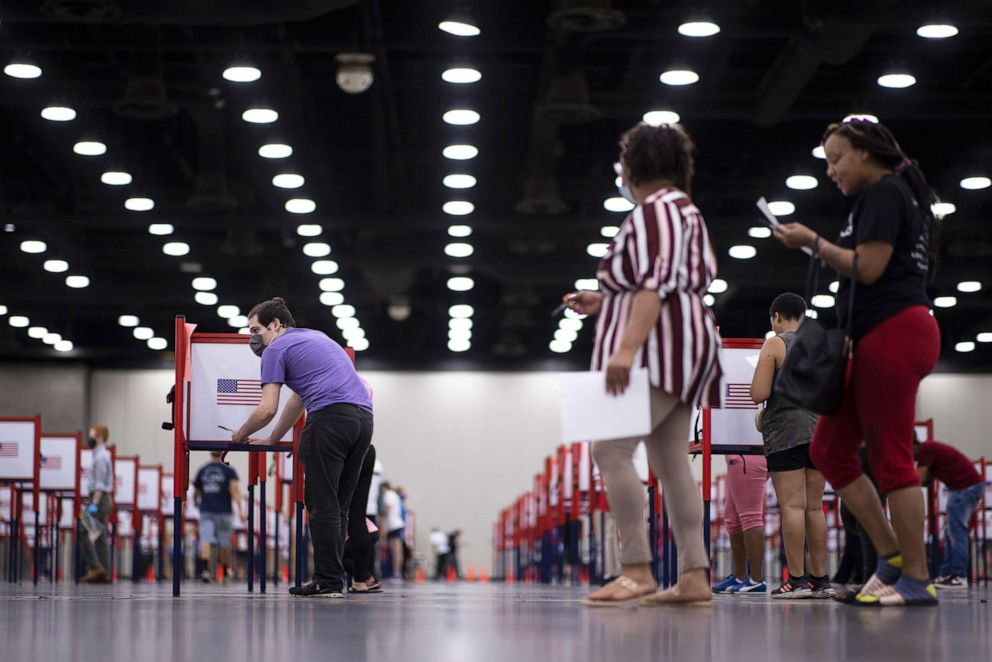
(262, 441)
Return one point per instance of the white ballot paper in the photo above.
(773, 221)
(589, 413)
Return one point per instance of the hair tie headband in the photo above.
(905, 163)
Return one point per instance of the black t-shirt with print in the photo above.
(887, 211)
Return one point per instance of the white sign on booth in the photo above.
(27, 508)
(733, 423)
(17, 440)
(58, 463)
(6, 505)
(192, 513)
(224, 390)
(124, 475)
(125, 525)
(66, 519)
(168, 494)
(584, 460)
(85, 471)
(148, 487)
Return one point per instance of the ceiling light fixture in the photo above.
(58, 113)
(461, 117)
(460, 284)
(967, 346)
(718, 286)
(308, 230)
(161, 229)
(609, 231)
(89, 148)
(288, 180)
(801, 182)
(460, 152)
(331, 298)
(157, 344)
(461, 311)
(459, 26)
(324, 267)
(660, 117)
(943, 208)
(460, 231)
(317, 249)
(143, 333)
(300, 206)
(204, 283)
(275, 151)
(597, 250)
(679, 77)
(77, 282)
(20, 68)
(976, 183)
(759, 232)
(459, 181)
(458, 249)
(242, 74)
(342, 311)
(18, 321)
(699, 29)
(116, 178)
(206, 298)
(937, 31)
(64, 346)
(781, 208)
(331, 284)
(969, 286)
(458, 207)
(260, 115)
(945, 302)
(227, 311)
(461, 75)
(176, 248)
(139, 204)
(33, 246)
(618, 204)
(742, 252)
(818, 152)
(897, 80)
(128, 321)
(56, 266)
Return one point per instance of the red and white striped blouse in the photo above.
(663, 245)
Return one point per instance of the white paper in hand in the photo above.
(773, 221)
(589, 413)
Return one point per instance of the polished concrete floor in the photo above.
(469, 623)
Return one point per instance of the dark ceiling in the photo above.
(146, 79)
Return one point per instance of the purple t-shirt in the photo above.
(316, 368)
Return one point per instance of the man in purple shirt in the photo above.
(335, 438)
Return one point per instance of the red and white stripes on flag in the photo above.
(241, 392)
(10, 449)
(738, 396)
(53, 462)
(664, 246)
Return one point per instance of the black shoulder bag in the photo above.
(813, 373)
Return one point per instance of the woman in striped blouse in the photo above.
(652, 315)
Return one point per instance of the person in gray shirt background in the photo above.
(101, 489)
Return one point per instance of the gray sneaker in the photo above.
(792, 591)
(821, 590)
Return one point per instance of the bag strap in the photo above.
(850, 298)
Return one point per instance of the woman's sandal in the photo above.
(636, 592)
(668, 597)
(370, 587)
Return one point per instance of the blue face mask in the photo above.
(626, 194)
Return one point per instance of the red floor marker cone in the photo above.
(510, 577)
(452, 576)
(150, 573)
(285, 574)
(483, 576)
(470, 573)
(420, 576)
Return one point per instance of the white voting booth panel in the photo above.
(148, 490)
(168, 494)
(584, 460)
(125, 525)
(6, 504)
(66, 519)
(27, 509)
(58, 463)
(17, 450)
(224, 389)
(85, 470)
(124, 474)
(733, 423)
(192, 513)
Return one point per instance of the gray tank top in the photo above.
(784, 426)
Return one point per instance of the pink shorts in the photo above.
(745, 509)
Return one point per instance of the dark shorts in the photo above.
(396, 534)
(791, 459)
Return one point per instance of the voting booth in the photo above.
(20, 471)
(216, 389)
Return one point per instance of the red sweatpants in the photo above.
(879, 405)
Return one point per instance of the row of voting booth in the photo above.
(561, 529)
(44, 484)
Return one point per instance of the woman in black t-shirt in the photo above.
(894, 233)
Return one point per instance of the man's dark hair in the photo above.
(274, 308)
(790, 306)
(216, 454)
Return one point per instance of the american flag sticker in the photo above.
(10, 449)
(738, 396)
(53, 462)
(242, 392)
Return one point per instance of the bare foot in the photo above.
(622, 590)
(692, 587)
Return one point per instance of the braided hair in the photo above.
(879, 141)
(650, 153)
